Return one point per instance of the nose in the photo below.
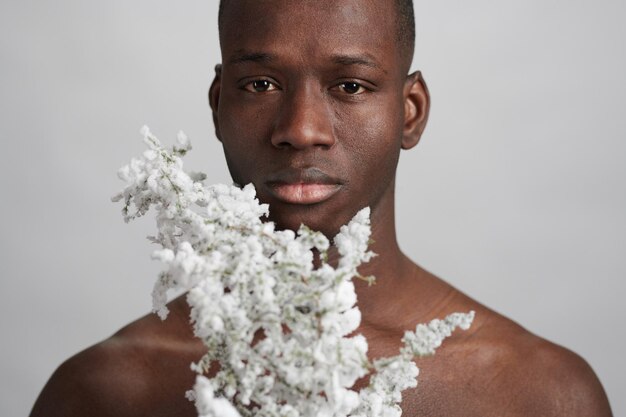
(304, 120)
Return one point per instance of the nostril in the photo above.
(282, 145)
(298, 144)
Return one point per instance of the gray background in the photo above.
(516, 194)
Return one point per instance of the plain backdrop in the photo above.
(516, 193)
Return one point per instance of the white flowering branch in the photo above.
(278, 326)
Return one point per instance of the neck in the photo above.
(394, 272)
(389, 262)
(392, 269)
(403, 293)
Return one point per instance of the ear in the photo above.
(416, 109)
(214, 98)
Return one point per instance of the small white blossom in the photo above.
(209, 406)
(278, 325)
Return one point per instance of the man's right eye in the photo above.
(260, 86)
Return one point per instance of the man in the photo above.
(312, 104)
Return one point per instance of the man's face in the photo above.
(310, 106)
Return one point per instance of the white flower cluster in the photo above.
(276, 325)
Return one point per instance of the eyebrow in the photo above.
(363, 60)
(240, 57)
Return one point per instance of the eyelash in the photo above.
(250, 86)
(272, 87)
(360, 87)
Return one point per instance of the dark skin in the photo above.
(320, 112)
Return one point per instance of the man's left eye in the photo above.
(352, 88)
(260, 86)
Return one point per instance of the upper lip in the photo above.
(309, 175)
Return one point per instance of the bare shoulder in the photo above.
(522, 374)
(136, 372)
(99, 381)
(562, 382)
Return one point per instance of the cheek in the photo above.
(372, 138)
(244, 128)
(372, 135)
(241, 121)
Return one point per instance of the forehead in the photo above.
(310, 29)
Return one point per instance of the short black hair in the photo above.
(405, 25)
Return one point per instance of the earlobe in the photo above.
(214, 98)
(416, 109)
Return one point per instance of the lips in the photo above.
(302, 186)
